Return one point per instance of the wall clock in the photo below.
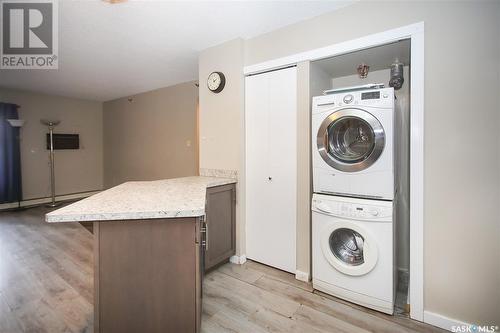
(216, 82)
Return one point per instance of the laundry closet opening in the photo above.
(360, 148)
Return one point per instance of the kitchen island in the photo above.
(149, 240)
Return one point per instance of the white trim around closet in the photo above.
(414, 32)
(446, 323)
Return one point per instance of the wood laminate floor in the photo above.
(46, 285)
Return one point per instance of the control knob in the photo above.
(348, 98)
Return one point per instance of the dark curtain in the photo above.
(10, 156)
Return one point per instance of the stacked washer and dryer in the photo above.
(352, 206)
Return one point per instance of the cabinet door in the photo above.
(271, 167)
(145, 276)
(220, 225)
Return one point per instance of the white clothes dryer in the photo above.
(352, 143)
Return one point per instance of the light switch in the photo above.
(188, 143)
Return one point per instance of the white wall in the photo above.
(462, 141)
(320, 80)
(305, 86)
(76, 170)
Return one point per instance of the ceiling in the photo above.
(377, 58)
(108, 51)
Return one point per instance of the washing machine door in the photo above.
(349, 248)
(350, 139)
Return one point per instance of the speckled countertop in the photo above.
(178, 197)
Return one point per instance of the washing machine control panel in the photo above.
(359, 211)
(351, 210)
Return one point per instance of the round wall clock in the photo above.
(216, 82)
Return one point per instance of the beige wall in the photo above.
(153, 136)
(76, 170)
(222, 112)
(462, 51)
(221, 120)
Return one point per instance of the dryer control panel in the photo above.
(380, 98)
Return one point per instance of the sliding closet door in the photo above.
(271, 167)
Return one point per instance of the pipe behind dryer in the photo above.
(397, 79)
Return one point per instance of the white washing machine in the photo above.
(353, 250)
(352, 143)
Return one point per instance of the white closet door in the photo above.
(271, 167)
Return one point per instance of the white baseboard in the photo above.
(41, 201)
(9, 205)
(302, 276)
(239, 260)
(444, 322)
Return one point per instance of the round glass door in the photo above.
(350, 140)
(347, 246)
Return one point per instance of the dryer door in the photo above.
(349, 248)
(350, 140)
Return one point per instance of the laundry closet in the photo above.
(360, 165)
(358, 137)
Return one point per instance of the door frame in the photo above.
(414, 32)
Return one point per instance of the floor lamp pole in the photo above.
(52, 172)
(51, 125)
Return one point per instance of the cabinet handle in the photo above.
(206, 236)
(204, 232)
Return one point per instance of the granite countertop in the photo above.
(169, 198)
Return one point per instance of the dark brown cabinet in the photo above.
(147, 276)
(148, 273)
(220, 240)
